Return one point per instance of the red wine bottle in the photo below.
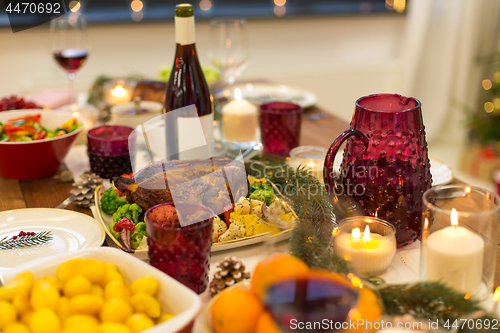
(187, 86)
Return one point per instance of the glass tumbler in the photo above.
(280, 127)
(111, 150)
(459, 238)
(183, 252)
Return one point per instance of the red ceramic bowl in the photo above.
(36, 159)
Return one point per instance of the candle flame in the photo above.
(366, 234)
(426, 223)
(496, 295)
(356, 233)
(119, 91)
(454, 217)
(237, 94)
(467, 190)
(312, 164)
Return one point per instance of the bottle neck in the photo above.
(184, 30)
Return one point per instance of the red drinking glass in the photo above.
(111, 150)
(280, 127)
(182, 252)
(386, 168)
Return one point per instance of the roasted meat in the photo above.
(215, 183)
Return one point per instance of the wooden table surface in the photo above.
(49, 192)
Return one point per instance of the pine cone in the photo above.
(84, 190)
(230, 271)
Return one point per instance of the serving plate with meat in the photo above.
(247, 209)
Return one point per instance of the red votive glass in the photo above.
(183, 252)
(280, 127)
(110, 150)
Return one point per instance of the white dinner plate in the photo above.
(441, 173)
(71, 231)
(259, 93)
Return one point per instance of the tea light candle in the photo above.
(311, 157)
(370, 253)
(117, 92)
(455, 257)
(239, 119)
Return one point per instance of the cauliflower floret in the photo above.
(219, 227)
(235, 231)
(242, 206)
(256, 207)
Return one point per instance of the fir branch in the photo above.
(39, 238)
(432, 301)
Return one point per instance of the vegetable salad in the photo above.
(28, 128)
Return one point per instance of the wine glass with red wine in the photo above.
(307, 301)
(69, 45)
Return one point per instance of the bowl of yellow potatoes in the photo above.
(102, 290)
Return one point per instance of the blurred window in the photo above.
(110, 11)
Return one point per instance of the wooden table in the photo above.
(49, 192)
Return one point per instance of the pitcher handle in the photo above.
(332, 152)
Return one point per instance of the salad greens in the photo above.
(28, 128)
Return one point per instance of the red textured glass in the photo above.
(182, 252)
(385, 167)
(109, 152)
(280, 127)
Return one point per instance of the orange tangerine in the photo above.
(276, 268)
(266, 324)
(236, 311)
(369, 309)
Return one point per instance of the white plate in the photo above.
(71, 231)
(259, 93)
(441, 173)
(106, 219)
(174, 297)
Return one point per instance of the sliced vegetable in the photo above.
(124, 223)
(273, 220)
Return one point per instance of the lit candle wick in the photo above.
(119, 91)
(356, 234)
(454, 218)
(237, 94)
(496, 299)
(496, 295)
(366, 234)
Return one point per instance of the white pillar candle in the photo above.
(239, 120)
(370, 254)
(455, 257)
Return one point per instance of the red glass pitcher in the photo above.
(385, 167)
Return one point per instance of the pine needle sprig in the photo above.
(38, 238)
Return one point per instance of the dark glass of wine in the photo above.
(69, 46)
(313, 304)
(71, 59)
